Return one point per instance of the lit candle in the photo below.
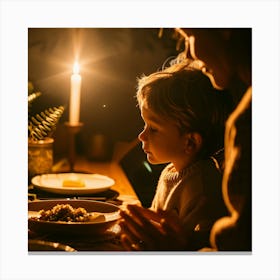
(75, 95)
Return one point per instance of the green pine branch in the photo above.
(44, 124)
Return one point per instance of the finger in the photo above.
(127, 244)
(170, 221)
(138, 232)
(133, 238)
(148, 232)
(152, 227)
(130, 227)
(130, 242)
(147, 213)
(161, 216)
(145, 216)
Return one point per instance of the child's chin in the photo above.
(152, 160)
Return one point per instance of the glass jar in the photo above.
(40, 156)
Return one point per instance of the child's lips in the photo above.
(145, 149)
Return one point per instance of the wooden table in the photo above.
(126, 195)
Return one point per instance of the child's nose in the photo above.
(141, 135)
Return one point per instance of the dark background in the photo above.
(110, 59)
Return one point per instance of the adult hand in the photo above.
(144, 229)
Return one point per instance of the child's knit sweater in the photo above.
(194, 193)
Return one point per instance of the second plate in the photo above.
(73, 183)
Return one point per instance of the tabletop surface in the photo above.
(120, 194)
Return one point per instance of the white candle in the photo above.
(75, 96)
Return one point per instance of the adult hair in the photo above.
(184, 94)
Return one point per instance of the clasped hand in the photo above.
(145, 230)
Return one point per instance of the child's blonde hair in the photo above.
(185, 94)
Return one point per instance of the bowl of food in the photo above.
(71, 217)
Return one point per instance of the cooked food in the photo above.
(77, 183)
(67, 213)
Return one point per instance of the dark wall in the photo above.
(111, 59)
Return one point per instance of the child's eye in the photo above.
(152, 129)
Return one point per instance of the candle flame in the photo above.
(76, 68)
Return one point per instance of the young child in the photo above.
(184, 120)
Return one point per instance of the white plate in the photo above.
(110, 212)
(93, 183)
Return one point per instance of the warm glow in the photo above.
(76, 68)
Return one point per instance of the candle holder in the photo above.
(72, 130)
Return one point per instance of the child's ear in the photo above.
(193, 142)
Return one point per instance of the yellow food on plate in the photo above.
(73, 183)
(97, 217)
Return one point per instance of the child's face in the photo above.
(162, 141)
